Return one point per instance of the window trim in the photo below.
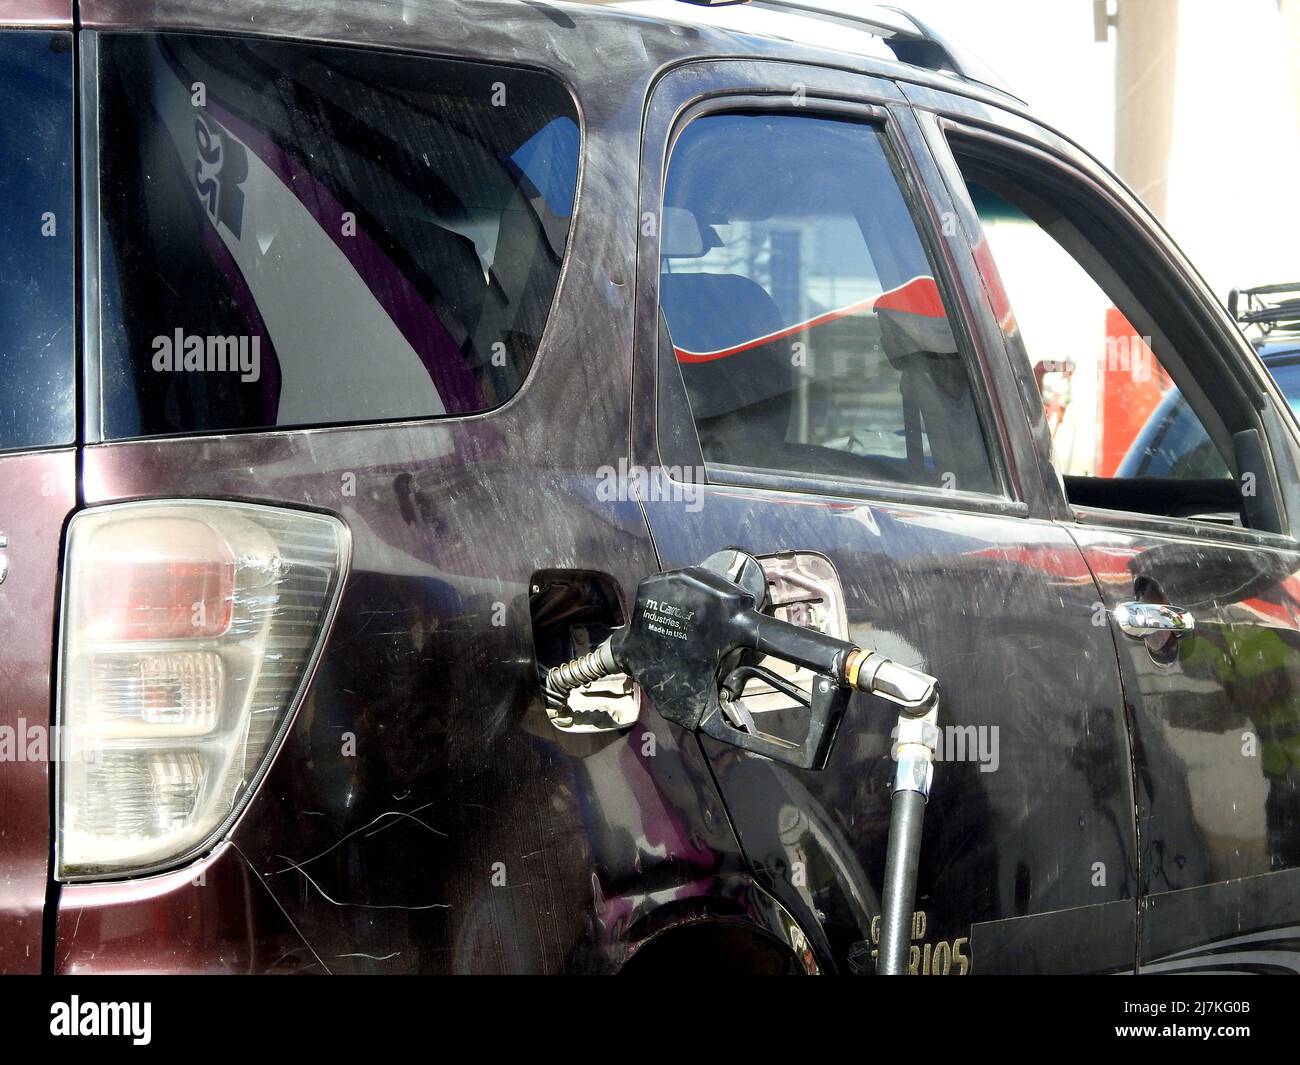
(1165, 525)
(91, 363)
(875, 491)
(37, 15)
(912, 188)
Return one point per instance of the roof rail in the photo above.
(1267, 314)
(911, 40)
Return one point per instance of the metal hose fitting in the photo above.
(872, 672)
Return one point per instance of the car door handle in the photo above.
(1140, 620)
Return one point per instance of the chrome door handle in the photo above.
(1140, 620)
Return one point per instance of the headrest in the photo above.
(728, 338)
(681, 236)
(913, 320)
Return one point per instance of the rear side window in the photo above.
(295, 234)
(37, 241)
(803, 311)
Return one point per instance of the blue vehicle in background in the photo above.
(1173, 443)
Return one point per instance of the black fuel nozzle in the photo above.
(697, 636)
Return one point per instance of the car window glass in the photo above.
(37, 241)
(1111, 407)
(1125, 435)
(299, 234)
(804, 314)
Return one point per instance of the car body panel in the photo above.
(1216, 740)
(467, 833)
(39, 464)
(213, 917)
(1213, 822)
(36, 497)
(36, 13)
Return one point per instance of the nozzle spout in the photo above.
(915, 692)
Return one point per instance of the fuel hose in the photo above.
(901, 862)
(914, 772)
(562, 679)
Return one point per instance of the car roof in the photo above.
(868, 31)
(585, 34)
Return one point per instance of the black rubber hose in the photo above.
(901, 860)
(560, 680)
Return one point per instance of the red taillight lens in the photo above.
(144, 595)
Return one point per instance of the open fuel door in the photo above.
(804, 393)
(37, 456)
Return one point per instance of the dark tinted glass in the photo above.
(803, 311)
(37, 226)
(296, 234)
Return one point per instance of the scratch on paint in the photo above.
(73, 940)
(355, 831)
(361, 905)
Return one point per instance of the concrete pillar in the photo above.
(1146, 65)
(1290, 11)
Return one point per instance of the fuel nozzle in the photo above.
(698, 636)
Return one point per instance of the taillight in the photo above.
(188, 590)
(189, 630)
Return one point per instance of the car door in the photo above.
(818, 383)
(1177, 457)
(37, 449)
